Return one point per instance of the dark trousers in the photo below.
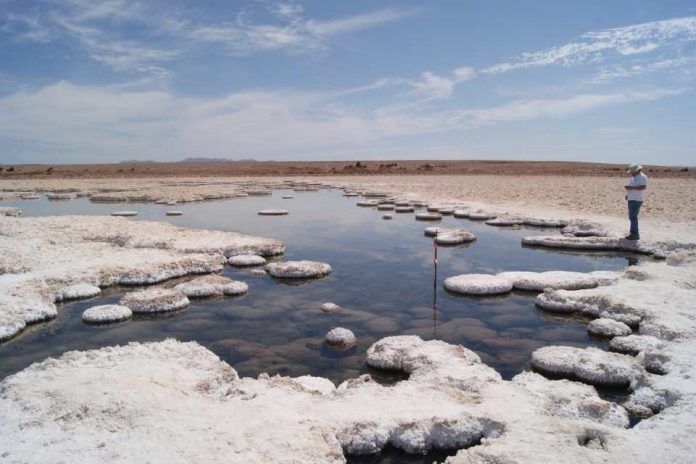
(633, 209)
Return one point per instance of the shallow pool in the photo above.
(383, 277)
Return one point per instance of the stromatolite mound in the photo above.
(340, 338)
(212, 285)
(455, 237)
(246, 260)
(154, 300)
(478, 284)
(10, 211)
(428, 216)
(273, 212)
(298, 269)
(330, 308)
(105, 314)
(590, 365)
(125, 213)
(608, 328)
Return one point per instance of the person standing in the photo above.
(634, 195)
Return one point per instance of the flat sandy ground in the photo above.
(589, 190)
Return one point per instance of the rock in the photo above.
(634, 344)
(154, 300)
(10, 211)
(455, 237)
(447, 211)
(555, 280)
(246, 260)
(428, 216)
(212, 285)
(478, 284)
(273, 212)
(78, 291)
(387, 217)
(298, 269)
(330, 308)
(105, 314)
(590, 365)
(608, 328)
(461, 213)
(404, 209)
(385, 207)
(340, 338)
(256, 272)
(174, 213)
(125, 213)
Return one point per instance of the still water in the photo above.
(382, 276)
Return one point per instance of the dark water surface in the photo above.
(382, 276)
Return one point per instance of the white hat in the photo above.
(634, 168)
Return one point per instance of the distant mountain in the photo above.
(136, 162)
(213, 160)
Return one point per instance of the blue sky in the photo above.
(108, 80)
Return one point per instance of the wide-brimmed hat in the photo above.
(634, 168)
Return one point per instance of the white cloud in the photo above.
(434, 87)
(357, 22)
(629, 40)
(68, 122)
(557, 108)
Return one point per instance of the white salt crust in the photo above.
(105, 314)
(590, 365)
(298, 269)
(10, 211)
(634, 344)
(246, 260)
(77, 291)
(212, 285)
(608, 328)
(588, 243)
(154, 300)
(340, 337)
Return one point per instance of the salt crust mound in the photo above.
(340, 337)
(330, 308)
(174, 213)
(212, 285)
(106, 313)
(584, 229)
(478, 284)
(103, 396)
(246, 260)
(154, 300)
(609, 328)
(298, 269)
(9, 211)
(590, 365)
(273, 212)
